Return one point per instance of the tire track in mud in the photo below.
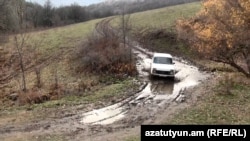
(154, 97)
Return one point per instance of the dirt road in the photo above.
(122, 119)
(157, 100)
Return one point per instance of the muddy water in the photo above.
(105, 115)
(162, 89)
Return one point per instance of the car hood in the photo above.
(163, 67)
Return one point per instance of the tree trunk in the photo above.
(38, 77)
(23, 72)
(248, 65)
(21, 63)
(24, 79)
(240, 69)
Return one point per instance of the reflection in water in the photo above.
(162, 86)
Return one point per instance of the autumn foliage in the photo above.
(220, 32)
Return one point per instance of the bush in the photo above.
(32, 97)
(105, 55)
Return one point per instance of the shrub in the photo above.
(32, 97)
(105, 55)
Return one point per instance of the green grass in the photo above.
(52, 43)
(39, 138)
(163, 17)
(36, 111)
(214, 108)
(218, 107)
(133, 138)
(62, 37)
(50, 138)
(104, 93)
(51, 40)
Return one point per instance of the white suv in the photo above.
(162, 65)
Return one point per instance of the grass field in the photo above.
(62, 40)
(214, 108)
(164, 17)
(226, 103)
(144, 23)
(61, 43)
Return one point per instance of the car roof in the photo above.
(162, 55)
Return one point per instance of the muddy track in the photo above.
(157, 95)
(144, 106)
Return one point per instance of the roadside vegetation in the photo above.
(56, 74)
(50, 64)
(220, 36)
(229, 58)
(104, 54)
(87, 63)
(80, 64)
(216, 42)
(155, 30)
(39, 16)
(50, 58)
(222, 40)
(226, 102)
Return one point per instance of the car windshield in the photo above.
(163, 60)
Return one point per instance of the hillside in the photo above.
(53, 111)
(60, 42)
(55, 46)
(162, 17)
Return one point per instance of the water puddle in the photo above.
(162, 86)
(158, 89)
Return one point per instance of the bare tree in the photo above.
(3, 25)
(20, 40)
(33, 14)
(34, 56)
(19, 45)
(125, 27)
(2, 13)
(19, 8)
(48, 14)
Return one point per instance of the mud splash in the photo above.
(161, 89)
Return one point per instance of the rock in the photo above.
(13, 96)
